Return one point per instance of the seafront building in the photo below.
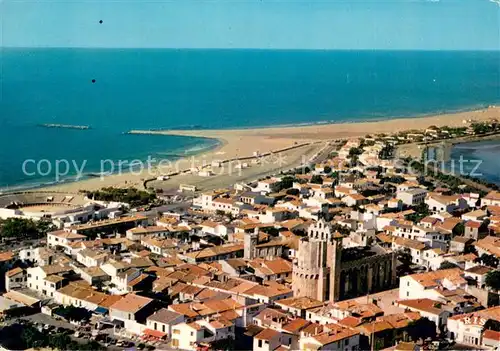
(298, 261)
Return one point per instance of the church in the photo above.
(323, 270)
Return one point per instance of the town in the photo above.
(365, 248)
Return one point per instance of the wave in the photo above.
(185, 127)
(200, 148)
(39, 184)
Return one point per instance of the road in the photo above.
(324, 153)
(42, 318)
(457, 346)
(175, 207)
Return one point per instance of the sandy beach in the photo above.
(237, 143)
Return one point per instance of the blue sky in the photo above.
(262, 24)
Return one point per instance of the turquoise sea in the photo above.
(154, 88)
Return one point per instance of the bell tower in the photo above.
(250, 241)
(335, 268)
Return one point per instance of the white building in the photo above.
(132, 310)
(188, 336)
(63, 238)
(92, 258)
(163, 321)
(342, 339)
(40, 256)
(428, 308)
(47, 279)
(412, 197)
(425, 285)
(214, 228)
(469, 328)
(491, 199)
(139, 233)
(266, 185)
(15, 279)
(442, 203)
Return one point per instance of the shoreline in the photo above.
(320, 131)
(351, 120)
(70, 182)
(246, 142)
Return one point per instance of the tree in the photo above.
(223, 344)
(284, 183)
(90, 346)
(316, 179)
(422, 328)
(22, 228)
(493, 280)
(492, 324)
(488, 260)
(327, 169)
(59, 341)
(405, 258)
(293, 191)
(270, 230)
(387, 152)
(131, 196)
(72, 313)
(354, 152)
(32, 337)
(459, 229)
(481, 128)
(447, 265)
(421, 211)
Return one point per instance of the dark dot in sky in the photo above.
(100, 21)
(93, 80)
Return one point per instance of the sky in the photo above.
(256, 24)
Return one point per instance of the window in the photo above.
(260, 343)
(346, 342)
(177, 331)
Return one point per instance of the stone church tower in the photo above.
(250, 241)
(316, 271)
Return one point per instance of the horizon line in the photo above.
(247, 49)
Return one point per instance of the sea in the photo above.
(116, 90)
